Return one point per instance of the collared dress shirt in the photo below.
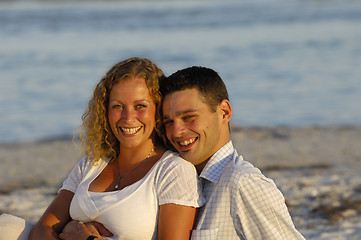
(241, 203)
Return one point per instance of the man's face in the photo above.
(191, 127)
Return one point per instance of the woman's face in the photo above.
(131, 112)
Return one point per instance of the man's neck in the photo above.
(200, 166)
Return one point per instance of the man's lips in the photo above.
(186, 144)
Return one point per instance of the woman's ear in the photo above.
(226, 109)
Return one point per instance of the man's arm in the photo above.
(259, 211)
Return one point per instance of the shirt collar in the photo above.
(214, 168)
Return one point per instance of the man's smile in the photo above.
(186, 144)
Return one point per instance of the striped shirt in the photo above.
(241, 203)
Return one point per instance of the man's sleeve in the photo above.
(259, 211)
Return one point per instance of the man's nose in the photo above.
(178, 129)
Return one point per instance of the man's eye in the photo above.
(188, 117)
(167, 123)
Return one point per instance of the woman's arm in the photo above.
(175, 222)
(54, 219)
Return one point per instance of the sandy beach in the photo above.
(316, 168)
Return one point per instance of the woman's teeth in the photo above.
(130, 130)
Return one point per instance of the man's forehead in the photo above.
(181, 102)
(183, 98)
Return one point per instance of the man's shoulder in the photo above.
(241, 167)
(239, 171)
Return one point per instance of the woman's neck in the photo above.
(129, 156)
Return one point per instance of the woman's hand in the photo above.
(72, 226)
(79, 231)
(74, 230)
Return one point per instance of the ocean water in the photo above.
(285, 63)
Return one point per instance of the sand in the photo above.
(317, 169)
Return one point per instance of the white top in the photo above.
(132, 212)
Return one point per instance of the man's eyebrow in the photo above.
(180, 113)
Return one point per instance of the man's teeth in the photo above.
(130, 130)
(185, 143)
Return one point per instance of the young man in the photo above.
(241, 203)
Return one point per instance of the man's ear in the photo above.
(226, 109)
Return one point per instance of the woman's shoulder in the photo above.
(171, 161)
(85, 164)
(171, 157)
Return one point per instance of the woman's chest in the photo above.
(131, 213)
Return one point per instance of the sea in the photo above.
(285, 63)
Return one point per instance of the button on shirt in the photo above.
(241, 203)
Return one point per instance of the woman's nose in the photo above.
(128, 115)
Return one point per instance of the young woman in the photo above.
(128, 181)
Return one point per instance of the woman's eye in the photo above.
(116, 106)
(141, 106)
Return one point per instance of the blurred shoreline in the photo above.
(30, 163)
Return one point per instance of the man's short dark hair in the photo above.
(205, 80)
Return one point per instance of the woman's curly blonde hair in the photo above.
(96, 135)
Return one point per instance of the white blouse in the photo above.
(132, 212)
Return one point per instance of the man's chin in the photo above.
(183, 154)
(187, 155)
